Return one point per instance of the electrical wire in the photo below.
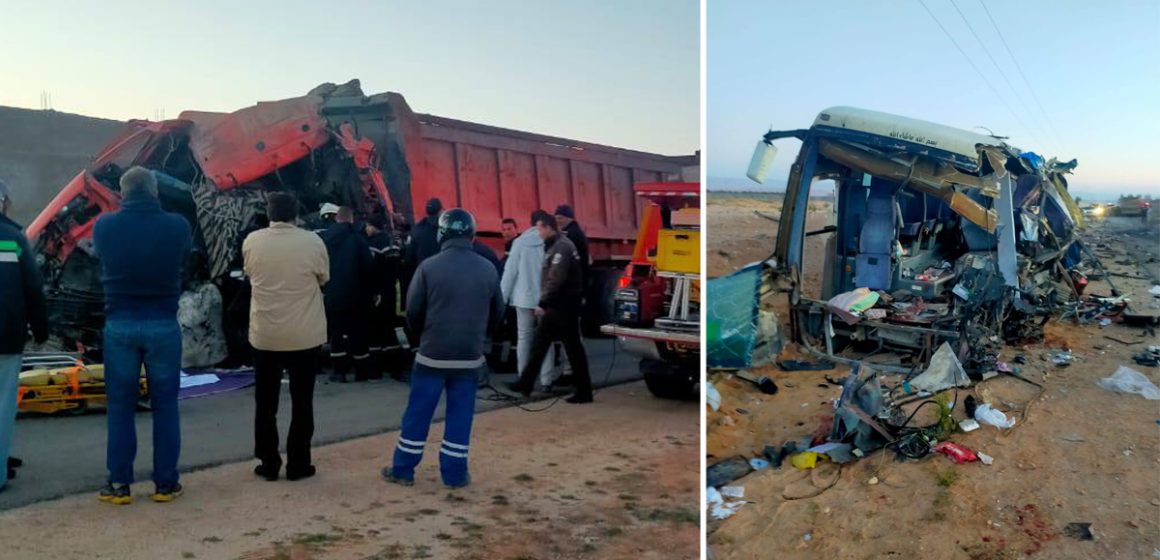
(1003, 74)
(1027, 82)
(971, 62)
(500, 396)
(914, 442)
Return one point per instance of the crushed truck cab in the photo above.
(657, 305)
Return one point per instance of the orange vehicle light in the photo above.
(626, 280)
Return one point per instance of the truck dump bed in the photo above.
(500, 173)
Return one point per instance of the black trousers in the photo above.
(383, 343)
(348, 331)
(561, 325)
(302, 366)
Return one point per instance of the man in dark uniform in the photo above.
(424, 242)
(566, 221)
(484, 251)
(348, 297)
(403, 234)
(558, 312)
(384, 292)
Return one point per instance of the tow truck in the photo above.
(657, 304)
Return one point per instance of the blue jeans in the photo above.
(427, 386)
(9, 381)
(156, 345)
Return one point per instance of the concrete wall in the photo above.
(40, 151)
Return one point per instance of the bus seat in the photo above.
(874, 267)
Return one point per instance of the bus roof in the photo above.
(927, 134)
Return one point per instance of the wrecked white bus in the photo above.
(939, 235)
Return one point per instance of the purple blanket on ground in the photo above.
(231, 380)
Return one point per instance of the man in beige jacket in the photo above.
(287, 268)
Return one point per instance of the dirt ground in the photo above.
(617, 479)
(1078, 453)
(743, 233)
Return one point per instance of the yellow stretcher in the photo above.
(73, 388)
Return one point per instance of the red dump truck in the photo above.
(337, 145)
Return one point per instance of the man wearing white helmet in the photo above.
(326, 216)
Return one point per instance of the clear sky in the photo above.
(607, 71)
(1094, 67)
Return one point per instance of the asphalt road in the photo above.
(1140, 239)
(66, 454)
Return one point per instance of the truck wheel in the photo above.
(671, 381)
(598, 307)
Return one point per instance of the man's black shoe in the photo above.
(557, 389)
(390, 477)
(466, 482)
(300, 473)
(166, 494)
(15, 463)
(118, 494)
(268, 472)
(579, 399)
(517, 387)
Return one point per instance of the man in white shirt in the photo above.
(521, 289)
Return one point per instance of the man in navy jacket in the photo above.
(142, 250)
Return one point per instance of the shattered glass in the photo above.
(732, 321)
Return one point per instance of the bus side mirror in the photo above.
(763, 156)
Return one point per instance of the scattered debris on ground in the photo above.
(1029, 441)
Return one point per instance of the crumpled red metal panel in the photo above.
(236, 148)
(96, 194)
(132, 145)
(366, 159)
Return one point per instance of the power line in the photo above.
(979, 72)
(1003, 74)
(1027, 82)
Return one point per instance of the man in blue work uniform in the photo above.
(453, 303)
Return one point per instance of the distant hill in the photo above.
(743, 184)
(40, 151)
(771, 185)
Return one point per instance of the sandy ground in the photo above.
(740, 236)
(617, 479)
(1078, 453)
